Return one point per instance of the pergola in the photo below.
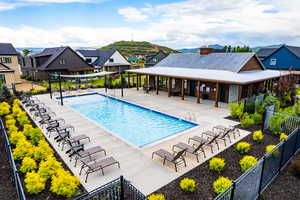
(59, 77)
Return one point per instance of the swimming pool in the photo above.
(137, 125)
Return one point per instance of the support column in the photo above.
(122, 92)
(60, 92)
(240, 93)
(182, 89)
(50, 89)
(128, 81)
(170, 87)
(250, 90)
(105, 83)
(198, 91)
(137, 81)
(140, 80)
(217, 95)
(157, 84)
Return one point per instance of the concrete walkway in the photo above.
(136, 164)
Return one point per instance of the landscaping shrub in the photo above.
(28, 165)
(275, 123)
(42, 151)
(22, 118)
(49, 167)
(188, 185)
(10, 122)
(36, 135)
(16, 110)
(23, 149)
(221, 184)
(257, 117)
(258, 136)
(246, 120)
(15, 137)
(4, 108)
(156, 197)
(270, 99)
(270, 147)
(247, 162)
(243, 147)
(27, 129)
(216, 164)
(63, 183)
(8, 117)
(11, 129)
(34, 183)
(236, 110)
(282, 137)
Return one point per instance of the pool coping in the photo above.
(151, 144)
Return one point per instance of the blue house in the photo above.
(282, 58)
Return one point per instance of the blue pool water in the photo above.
(135, 124)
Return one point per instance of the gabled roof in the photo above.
(52, 53)
(150, 57)
(4, 68)
(7, 49)
(264, 53)
(102, 55)
(295, 50)
(232, 62)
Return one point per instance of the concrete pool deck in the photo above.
(144, 173)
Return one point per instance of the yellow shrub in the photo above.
(36, 135)
(247, 162)
(16, 136)
(16, 110)
(269, 148)
(216, 164)
(27, 129)
(10, 122)
(156, 197)
(258, 136)
(34, 183)
(23, 149)
(49, 167)
(7, 117)
(282, 137)
(42, 151)
(16, 102)
(22, 118)
(188, 185)
(221, 184)
(28, 165)
(63, 183)
(4, 108)
(11, 129)
(243, 147)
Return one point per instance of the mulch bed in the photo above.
(204, 177)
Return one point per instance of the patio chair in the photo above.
(61, 129)
(167, 156)
(232, 130)
(191, 149)
(98, 165)
(208, 142)
(65, 138)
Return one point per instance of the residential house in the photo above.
(153, 59)
(284, 57)
(225, 77)
(10, 69)
(105, 60)
(62, 60)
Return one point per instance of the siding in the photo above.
(14, 65)
(252, 64)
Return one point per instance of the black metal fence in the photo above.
(118, 189)
(253, 182)
(14, 171)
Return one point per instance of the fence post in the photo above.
(281, 157)
(296, 143)
(122, 188)
(262, 175)
(232, 191)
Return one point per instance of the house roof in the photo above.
(53, 53)
(225, 76)
(294, 49)
(150, 57)
(264, 53)
(102, 55)
(232, 62)
(4, 68)
(7, 49)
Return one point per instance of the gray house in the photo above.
(105, 60)
(54, 60)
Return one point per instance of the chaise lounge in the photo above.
(191, 149)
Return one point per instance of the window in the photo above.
(62, 61)
(89, 60)
(2, 79)
(154, 60)
(5, 60)
(273, 61)
(111, 60)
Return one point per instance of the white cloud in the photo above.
(8, 6)
(61, 1)
(132, 14)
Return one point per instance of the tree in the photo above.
(26, 52)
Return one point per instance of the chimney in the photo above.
(205, 50)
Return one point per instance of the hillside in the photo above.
(133, 48)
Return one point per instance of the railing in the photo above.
(118, 189)
(253, 182)
(16, 177)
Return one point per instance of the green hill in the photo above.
(133, 48)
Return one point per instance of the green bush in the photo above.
(34, 183)
(270, 99)
(156, 197)
(22, 118)
(221, 184)
(42, 151)
(257, 136)
(49, 167)
(27, 129)
(243, 147)
(63, 183)
(246, 120)
(275, 123)
(28, 165)
(282, 137)
(188, 185)
(247, 162)
(236, 110)
(257, 117)
(216, 164)
(36, 135)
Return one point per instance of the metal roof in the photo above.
(102, 55)
(7, 49)
(265, 52)
(232, 62)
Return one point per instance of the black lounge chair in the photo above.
(98, 165)
(167, 156)
(224, 129)
(66, 139)
(208, 142)
(191, 149)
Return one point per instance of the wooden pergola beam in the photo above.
(217, 95)
(157, 84)
(182, 89)
(170, 87)
(137, 81)
(198, 91)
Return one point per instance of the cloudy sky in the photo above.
(175, 23)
